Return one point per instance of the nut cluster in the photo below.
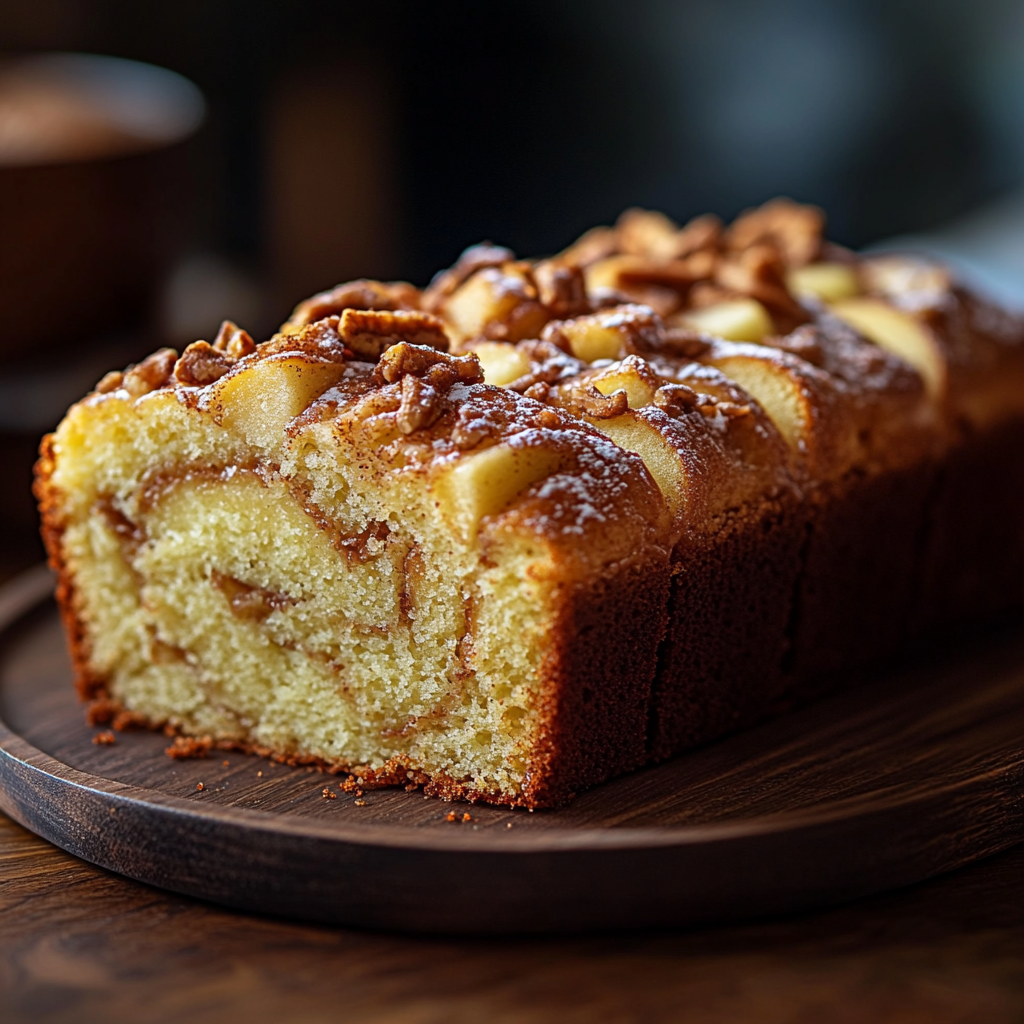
(647, 258)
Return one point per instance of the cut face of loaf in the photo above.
(391, 566)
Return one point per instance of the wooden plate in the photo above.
(891, 782)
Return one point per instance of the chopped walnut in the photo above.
(404, 359)
(676, 399)
(703, 232)
(153, 372)
(561, 288)
(662, 299)
(647, 233)
(733, 411)
(759, 271)
(796, 230)
(109, 382)
(368, 333)
(362, 294)
(233, 341)
(677, 274)
(595, 245)
(606, 298)
(650, 282)
(583, 399)
(704, 294)
(201, 364)
(420, 405)
(711, 406)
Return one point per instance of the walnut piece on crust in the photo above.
(152, 373)
(362, 294)
(233, 341)
(593, 245)
(561, 288)
(647, 233)
(404, 360)
(368, 333)
(795, 229)
(760, 272)
(109, 382)
(201, 364)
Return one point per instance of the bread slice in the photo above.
(545, 521)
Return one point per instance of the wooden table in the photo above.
(80, 945)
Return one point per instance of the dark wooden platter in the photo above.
(895, 780)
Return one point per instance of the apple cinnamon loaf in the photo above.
(544, 521)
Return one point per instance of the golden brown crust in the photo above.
(89, 684)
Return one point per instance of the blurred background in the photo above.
(321, 140)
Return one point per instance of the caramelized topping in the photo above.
(368, 333)
(361, 294)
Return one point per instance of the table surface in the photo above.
(80, 944)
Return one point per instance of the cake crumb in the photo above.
(450, 816)
(467, 816)
(327, 794)
(104, 739)
(185, 747)
(360, 803)
(200, 787)
(259, 775)
(226, 764)
(509, 825)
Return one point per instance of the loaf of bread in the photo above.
(545, 521)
